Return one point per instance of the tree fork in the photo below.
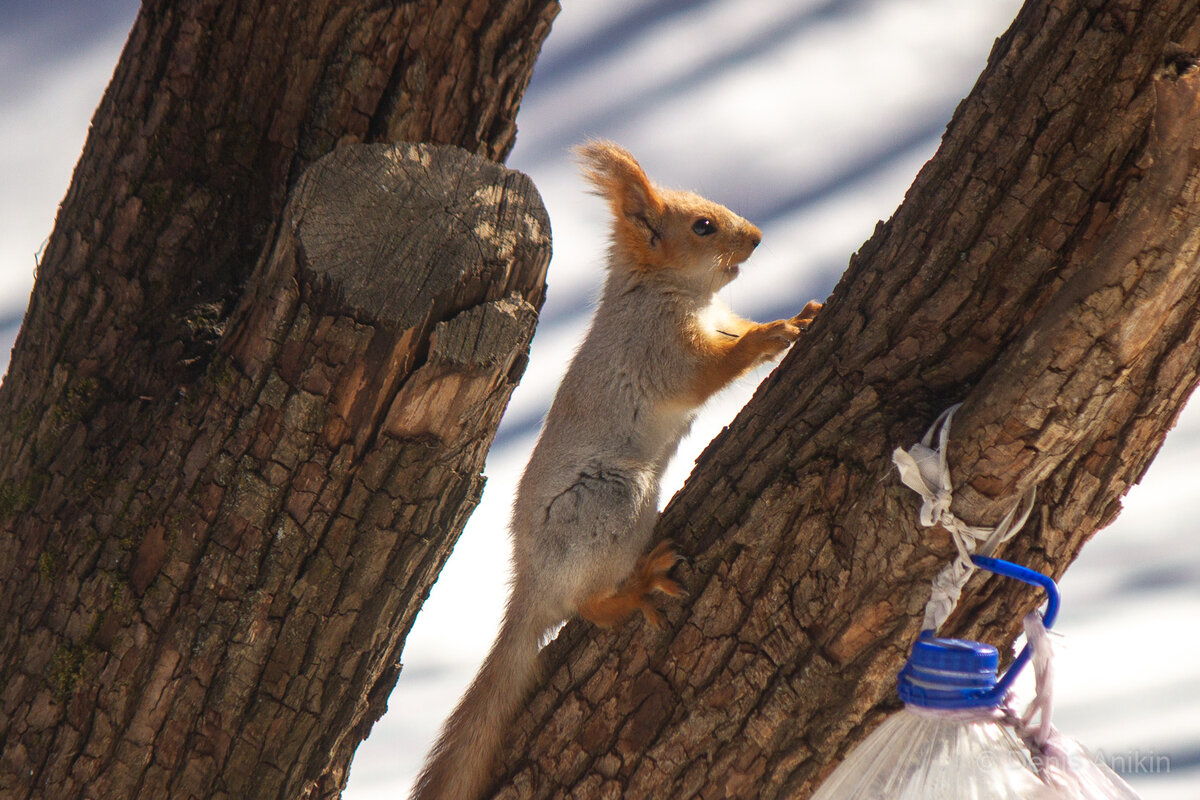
(1043, 269)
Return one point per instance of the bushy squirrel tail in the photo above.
(459, 766)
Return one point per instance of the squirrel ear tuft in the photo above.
(616, 176)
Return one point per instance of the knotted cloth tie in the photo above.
(925, 470)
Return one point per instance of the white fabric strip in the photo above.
(925, 470)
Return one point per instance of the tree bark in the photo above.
(239, 440)
(1044, 269)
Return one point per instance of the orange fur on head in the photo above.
(636, 203)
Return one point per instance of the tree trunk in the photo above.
(1045, 270)
(239, 440)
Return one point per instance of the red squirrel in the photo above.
(660, 344)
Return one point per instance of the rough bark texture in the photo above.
(236, 443)
(232, 612)
(214, 111)
(1044, 269)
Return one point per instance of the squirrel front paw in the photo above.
(807, 314)
(771, 338)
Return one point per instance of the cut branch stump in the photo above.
(250, 580)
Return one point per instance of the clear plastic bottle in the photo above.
(951, 741)
(948, 742)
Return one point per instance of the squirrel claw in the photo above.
(649, 576)
(807, 315)
(655, 565)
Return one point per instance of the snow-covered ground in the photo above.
(810, 118)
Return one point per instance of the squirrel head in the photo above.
(677, 236)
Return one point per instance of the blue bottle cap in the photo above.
(950, 673)
(960, 673)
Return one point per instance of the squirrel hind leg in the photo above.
(607, 609)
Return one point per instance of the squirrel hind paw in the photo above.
(653, 567)
(649, 576)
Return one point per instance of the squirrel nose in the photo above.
(752, 233)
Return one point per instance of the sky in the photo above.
(810, 118)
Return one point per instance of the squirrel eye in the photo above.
(704, 226)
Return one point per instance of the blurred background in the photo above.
(810, 118)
